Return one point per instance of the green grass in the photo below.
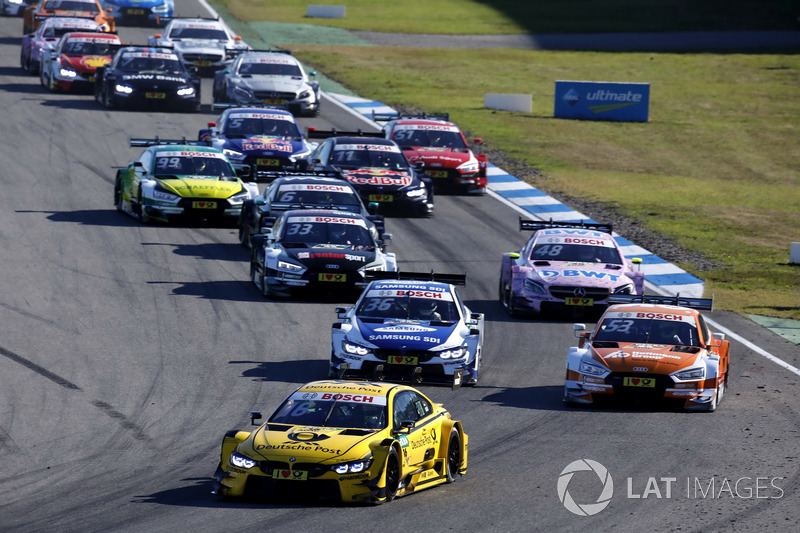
(529, 16)
(715, 169)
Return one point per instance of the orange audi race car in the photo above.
(351, 441)
(89, 9)
(650, 348)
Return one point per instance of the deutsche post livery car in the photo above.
(354, 442)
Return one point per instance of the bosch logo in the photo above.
(579, 292)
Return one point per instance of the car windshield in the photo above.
(408, 308)
(237, 125)
(358, 414)
(89, 48)
(138, 63)
(202, 33)
(257, 68)
(301, 232)
(70, 5)
(369, 159)
(579, 253)
(52, 31)
(322, 195)
(649, 331)
(170, 165)
(429, 138)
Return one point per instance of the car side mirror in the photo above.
(405, 425)
(387, 239)
(255, 415)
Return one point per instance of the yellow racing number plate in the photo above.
(293, 475)
(403, 360)
(381, 198)
(274, 101)
(328, 277)
(437, 173)
(639, 382)
(587, 302)
(204, 205)
(202, 63)
(155, 96)
(135, 11)
(268, 162)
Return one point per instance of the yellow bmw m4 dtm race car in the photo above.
(351, 441)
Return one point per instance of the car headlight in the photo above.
(470, 167)
(241, 461)
(304, 94)
(243, 92)
(67, 73)
(353, 467)
(355, 349)
(691, 374)
(163, 8)
(453, 353)
(232, 153)
(299, 156)
(124, 89)
(624, 289)
(592, 370)
(289, 267)
(239, 197)
(164, 196)
(186, 91)
(534, 287)
(416, 193)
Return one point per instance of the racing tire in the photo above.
(107, 102)
(720, 392)
(393, 474)
(265, 292)
(118, 203)
(143, 217)
(505, 299)
(244, 235)
(453, 460)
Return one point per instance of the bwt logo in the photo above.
(586, 509)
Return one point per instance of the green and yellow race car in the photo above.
(366, 442)
(179, 179)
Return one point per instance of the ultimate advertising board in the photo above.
(595, 100)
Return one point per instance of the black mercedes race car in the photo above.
(141, 77)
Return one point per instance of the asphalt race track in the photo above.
(127, 351)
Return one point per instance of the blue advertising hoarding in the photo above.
(599, 100)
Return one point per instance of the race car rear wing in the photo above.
(453, 279)
(414, 377)
(269, 175)
(535, 225)
(156, 142)
(314, 133)
(386, 117)
(701, 304)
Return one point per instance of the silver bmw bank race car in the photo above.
(413, 328)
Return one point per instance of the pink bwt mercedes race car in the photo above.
(566, 266)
